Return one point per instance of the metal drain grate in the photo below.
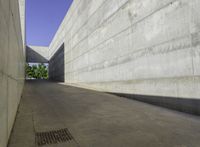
(53, 137)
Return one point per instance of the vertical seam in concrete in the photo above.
(17, 38)
(7, 68)
(14, 26)
(177, 88)
(84, 23)
(192, 54)
(192, 47)
(97, 26)
(89, 19)
(116, 33)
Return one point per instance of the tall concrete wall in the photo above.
(148, 47)
(12, 59)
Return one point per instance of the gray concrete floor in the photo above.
(99, 119)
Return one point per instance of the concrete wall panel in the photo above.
(147, 47)
(12, 60)
(37, 54)
(56, 66)
(3, 112)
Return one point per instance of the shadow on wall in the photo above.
(56, 65)
(34, 57)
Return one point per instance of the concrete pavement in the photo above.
(99, 120)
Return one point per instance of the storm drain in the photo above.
(53, 137)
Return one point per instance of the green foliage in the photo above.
(36, 71)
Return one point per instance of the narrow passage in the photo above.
(97, 119)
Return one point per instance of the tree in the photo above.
(36, 71)
(29, 73)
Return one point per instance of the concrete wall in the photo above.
(12, 61)
(22, 16)
(148, 47)
(37, 54)
(56, 66)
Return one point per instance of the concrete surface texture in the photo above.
(37, 54)
(12, 59)
(99, 120)
(22, 10)
(56, 66)
(148, 47)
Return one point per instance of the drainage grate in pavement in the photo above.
(53, 137)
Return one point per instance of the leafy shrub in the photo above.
(36, 71)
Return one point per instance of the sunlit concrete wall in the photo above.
(12, 59)
(22, 16)
(148, 47)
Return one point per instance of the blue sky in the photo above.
(43, 18)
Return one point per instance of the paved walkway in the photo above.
(99, 120)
